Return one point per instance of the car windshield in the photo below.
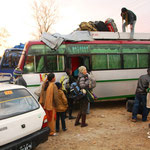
(16, 102)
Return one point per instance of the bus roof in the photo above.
(109, 36)
(119, 36)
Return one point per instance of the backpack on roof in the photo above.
(87, 26)
(111, 25)
(101, 26)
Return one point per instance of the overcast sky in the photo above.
(16, 15)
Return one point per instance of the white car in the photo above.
(23, 122)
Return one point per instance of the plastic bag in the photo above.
(92, 81)
(148, 100)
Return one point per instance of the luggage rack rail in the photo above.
(119, 36)
(6, 78)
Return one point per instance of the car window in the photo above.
(16, 102)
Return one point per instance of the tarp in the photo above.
(55, 40)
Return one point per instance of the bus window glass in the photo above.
(43, 50)
(143, 60)
(11, 59)
(99, 61)
(40, 64)
(86, 63)
(130, 60)
(51, 63)
(54, 63)
(29, 65)
(114, 62)
(135, 48)
(60, 66)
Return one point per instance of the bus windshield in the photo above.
(11, 58)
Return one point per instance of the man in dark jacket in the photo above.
(140, 96)
(18, 76)
(130, 19)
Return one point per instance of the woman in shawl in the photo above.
(48, 99)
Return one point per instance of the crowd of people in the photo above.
(57, 102)
(56, 99)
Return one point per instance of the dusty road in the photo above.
(109, 128)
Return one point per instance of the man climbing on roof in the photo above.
(130, 19)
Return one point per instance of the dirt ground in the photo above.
(109, 128)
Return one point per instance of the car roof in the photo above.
(5, 86)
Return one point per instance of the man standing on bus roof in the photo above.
(130, 19)
(140, 96)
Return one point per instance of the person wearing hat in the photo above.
(61, 108)
(19, 80)
(130, 19)
(140, 96)
(83, 82)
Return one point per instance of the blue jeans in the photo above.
(132, 30)
(140, 98)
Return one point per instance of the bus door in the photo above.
(76, 61)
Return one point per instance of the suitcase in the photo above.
(129, 106)
(101, 26)
(111, 25)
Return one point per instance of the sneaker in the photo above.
(72, 117)
(133, 120)
(65, 129)
(54, 134)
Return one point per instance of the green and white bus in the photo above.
(115, 61)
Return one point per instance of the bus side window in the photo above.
(106, 61)
(130, 60)
(40, 64)
(143, 60)
(99, 62)
(54, 63)
(29, 64)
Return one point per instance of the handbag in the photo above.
(90, 96)
(92, 81)
(148, 100)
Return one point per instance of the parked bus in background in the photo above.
(114, 60)
(10, 59)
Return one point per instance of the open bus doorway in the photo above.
(74, 62)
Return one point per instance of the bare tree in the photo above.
(3, 36)
(45, 15)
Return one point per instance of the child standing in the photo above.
(61, 108)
